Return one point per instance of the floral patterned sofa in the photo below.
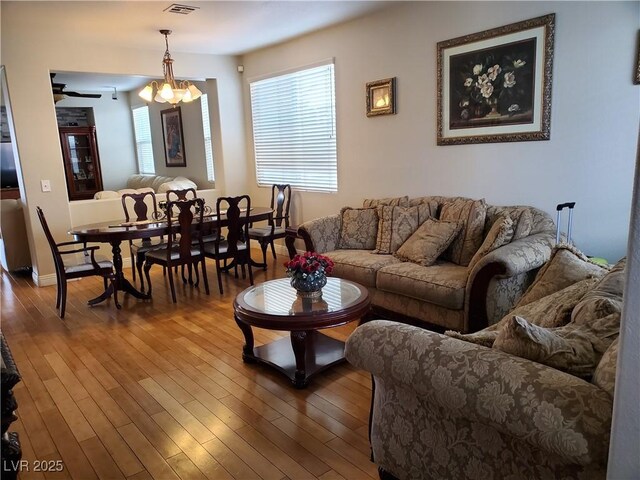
(452, 408)
(461, 295)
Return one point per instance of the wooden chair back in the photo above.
(280, 202)
(237, 212)
(57, 258)
(140, 207)
(182, 194)
(185, 237)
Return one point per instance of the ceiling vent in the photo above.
(181, 9)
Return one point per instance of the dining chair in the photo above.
(141, 211)
(280, 202)
(181, 194)
(66, 269)
(235, 246)
(184, 243)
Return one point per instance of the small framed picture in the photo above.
(381, 97)
(636, 76)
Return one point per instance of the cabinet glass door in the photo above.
(82, 163)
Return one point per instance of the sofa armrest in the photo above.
(321, 235)
(550, 410)
(520, 256)
(511, 260)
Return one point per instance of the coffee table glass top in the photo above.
(278, 297)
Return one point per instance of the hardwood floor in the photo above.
(158, 390)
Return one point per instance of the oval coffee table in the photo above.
(274, 305)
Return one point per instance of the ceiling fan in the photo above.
(59, 93)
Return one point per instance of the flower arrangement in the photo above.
(489, 88)
(309, 264)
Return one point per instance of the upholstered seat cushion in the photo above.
(148, 245)
(86, 265)
(442, 283)
(210, 248)
(175, 253)
(266, 232)
(359, 265)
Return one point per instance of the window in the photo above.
(144, 148)
(294, 129)
(208, 146)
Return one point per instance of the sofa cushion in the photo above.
(522, 219)
(605, 373)
(359, 265)
(397, 224)
(358, 228)
(391, 201)
(472, 215)
(428, 242)
(500, 233)
(443, 283)
(566, 266)
(575, 349)
(551, 311)
(179, 183)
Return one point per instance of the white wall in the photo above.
(114, 131)
(589, 158)
(30, 53)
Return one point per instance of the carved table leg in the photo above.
(298, 342)
(247, 350)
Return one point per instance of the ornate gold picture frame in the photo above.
(495, 85)
(381, 97)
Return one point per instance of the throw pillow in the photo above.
(358, 229)
(573, 349)
(472, 215)
(500, 233)
(605, 298)
(397, 224)
(605, 374)
(428, 242)
(522, 219)
(570, 351)
(390, 201)
(551, 311)
(566, 266)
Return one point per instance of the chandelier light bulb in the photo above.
(166, 92)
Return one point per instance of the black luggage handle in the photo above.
(562, 206)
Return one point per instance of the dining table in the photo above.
(115, 232)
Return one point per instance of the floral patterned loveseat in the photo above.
(446, 408)
(459, 296)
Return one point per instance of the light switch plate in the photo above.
(45, 185)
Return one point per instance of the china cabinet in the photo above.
(81, 161)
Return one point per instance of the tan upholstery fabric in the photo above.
(500, 233)
(397, 224)
(359, 265)
(428, 242)
(522, 219)
(572, 349)
(443, 283)
(551, 311)
(392, 201)
(358, 229)
(605, 374)
(472, 215)
(566, 266)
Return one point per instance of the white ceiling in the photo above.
(216, 27)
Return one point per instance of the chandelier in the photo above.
(171, 90)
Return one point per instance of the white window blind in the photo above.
(294, 129)
(144, 147)
(208, 146)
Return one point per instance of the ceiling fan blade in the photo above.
(83, 95)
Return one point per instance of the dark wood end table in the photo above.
(274, 305)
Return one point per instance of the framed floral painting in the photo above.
(495, 86)
(173, 137)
